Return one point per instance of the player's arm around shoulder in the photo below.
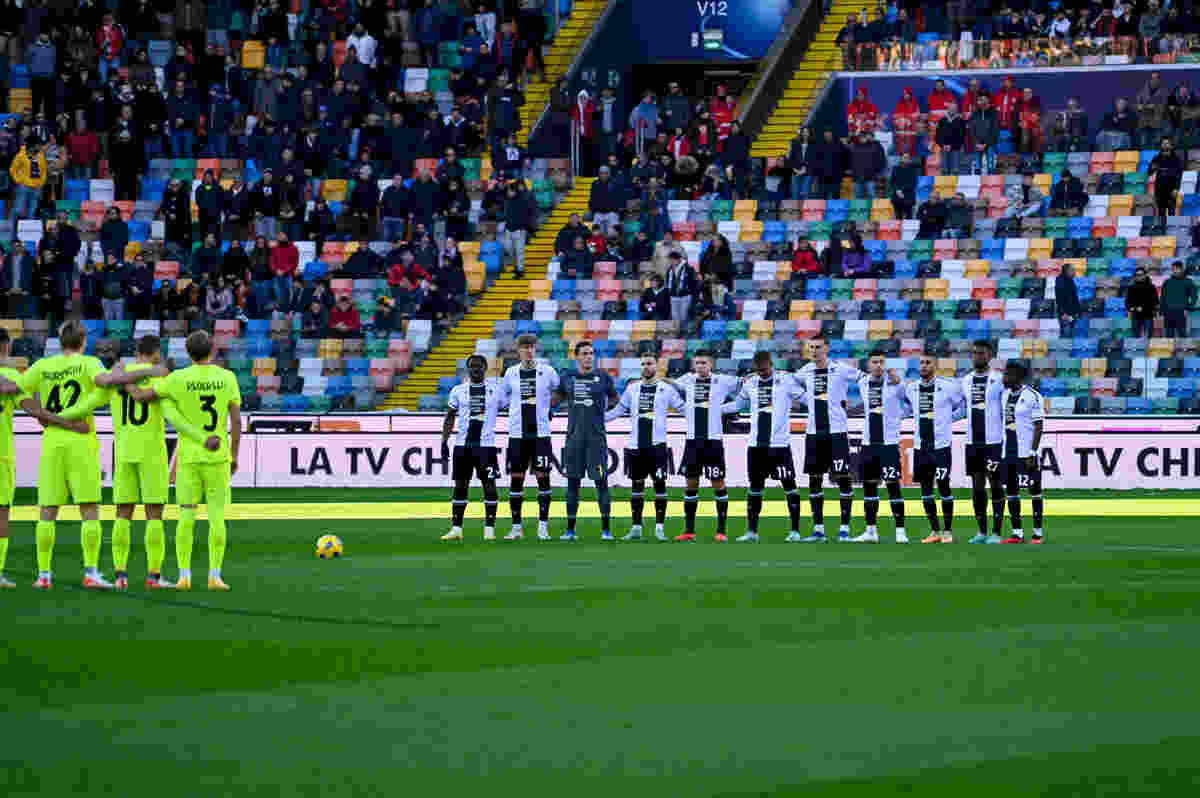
(623, 404)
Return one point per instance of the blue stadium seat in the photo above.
(563, 290)
(444, 385)
(259, 346)
(357, 367)
(896, 309)
(976, 328)
(819, 288)
(342, 386)
(295, 403)
(1137, 406)
(1114, 307)
(315, 270)
(606, 348)
(713, 330)
(1083, 347)
(1182, 388)
(1123, 268)
(877, 250)
(1085, 287)
(258, 327)
(905, 270)
(840, 349)
(991, 249)
(1191, 367)
(1052, 386)
(526, 326)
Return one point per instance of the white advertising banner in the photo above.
(1118, 454)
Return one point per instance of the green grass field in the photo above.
(632, 669)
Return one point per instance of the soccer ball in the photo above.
(329, 546)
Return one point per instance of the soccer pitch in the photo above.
(640, 669)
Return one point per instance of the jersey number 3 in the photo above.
(208, 405)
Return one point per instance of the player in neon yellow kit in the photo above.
(208, 396)
(69, 470)
(141, 468)
(10, 400)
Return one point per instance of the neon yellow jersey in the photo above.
(139, 430)
(61, 381)
(203, 395)
(8, 406)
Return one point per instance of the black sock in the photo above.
(947, 504)
(816, 499)
(979, 501)
(793, 502)
(846, 496)
(997, 506)
(660, 502)
(690, 499)
(754, 502)
(1014, 514)
(544, 494)
(871, 502)
(637, 502)
(491, 500)
(604, 500)
(572, 502)
(516, 497)
(1036, 504)
(930, 505)
(458, 506)
(722, 499)
(896, 499)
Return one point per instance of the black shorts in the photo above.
(1017, 477)
(654, 463)
(703, 458)
(879, 462)
(526, 452)
(585, 456)
(983, 459)
(931, 466)
(827, 454)
(480, 461)
(770, 462)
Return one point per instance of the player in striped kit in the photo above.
(1023, 414)
(883, 407)
(648, 400)
(704, 395)
(934, 401)
(528, 388)
(770, 397)
(826, 445)
(478, 400)
(985, 433)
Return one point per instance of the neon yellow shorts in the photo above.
(8, 482)
(70, 474)
(202, 483)
(145, 482)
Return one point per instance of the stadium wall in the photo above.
(1096, 87)
(1086, 453)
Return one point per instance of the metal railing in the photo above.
(576, 144)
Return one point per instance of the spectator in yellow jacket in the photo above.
(28, 173)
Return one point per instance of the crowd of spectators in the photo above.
(987, 34)
(297, 99)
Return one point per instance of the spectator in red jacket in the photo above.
(805, 260)
(285, 260)
(939, 100)
(1030, 112)
(862, 115)
(344, 320)
(904, 121)
(1007, 103)
(110, 40)
(84, 148)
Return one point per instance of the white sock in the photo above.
(871, 530)
(543, 527)
(818, 529)
(43, 574)
(91, 571)
(489, 531)
(659, 529)
(185, 573)
(456, 530)
(900, 531)
(1037, 533)
(214, 573)
(843, 529)
(636, 529)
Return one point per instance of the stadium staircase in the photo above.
(821, 60)
(559, 57)
(494, 305)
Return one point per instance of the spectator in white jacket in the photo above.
(364, 44)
